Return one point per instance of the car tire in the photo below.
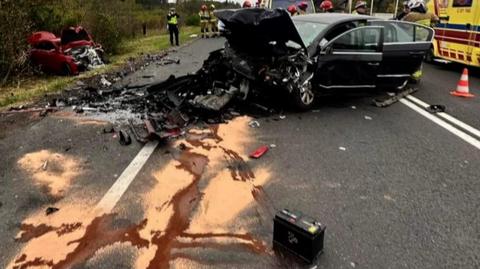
(66, 70)
(303, 97)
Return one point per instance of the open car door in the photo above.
(404, 48)
(351, 59)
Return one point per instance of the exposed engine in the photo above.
(87, 57)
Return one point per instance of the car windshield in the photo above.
(309, 30)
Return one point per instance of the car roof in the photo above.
(329, 18)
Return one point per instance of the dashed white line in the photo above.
(113, 195)
(448, 117)
(464, 136)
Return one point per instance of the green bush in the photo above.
(192, 20)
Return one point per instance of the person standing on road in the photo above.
(213, 21)
(418, 14)
(204, 21)
(172, 21)
(302, 8)
(360, 8)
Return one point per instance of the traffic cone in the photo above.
(462, 86)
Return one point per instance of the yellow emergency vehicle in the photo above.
(457, 35)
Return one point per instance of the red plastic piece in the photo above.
(259, 152)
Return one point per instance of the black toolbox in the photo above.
(298, 233)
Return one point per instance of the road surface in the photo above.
(396, 187)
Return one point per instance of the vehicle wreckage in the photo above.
(268, 51)
(74, 51)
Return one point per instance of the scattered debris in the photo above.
(384, 102)
(353, 264)
(108, 130)
(436, 108)
(51, 210)
(273, 146)
(368, 118)
(259, 152)
(254, 124)
(342, 148)
(23, 109)
(124, 138)
(44, 166)
(182, 146)
(148, 76)
(353, 107)
(282, 117)
(193, 35)
(105, 82)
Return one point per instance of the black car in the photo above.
(314, 53)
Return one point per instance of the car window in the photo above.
(401, 32)
(309, 30)
(44, 45)
(365, 39)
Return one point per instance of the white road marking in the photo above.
(448, 117)
(113, 195)
(464, 136)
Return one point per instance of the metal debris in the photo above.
(368, 118)
(44, 166)
(342, 148)
(105, 82)
(389, 100)
(254, 124)
(124, 138)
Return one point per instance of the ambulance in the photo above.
(457, 35)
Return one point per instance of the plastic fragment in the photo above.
(259, 152)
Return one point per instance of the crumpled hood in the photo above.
(253, 28)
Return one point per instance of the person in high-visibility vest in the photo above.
(204, 21)
(418, 14)
(172, 21)
(213, 21)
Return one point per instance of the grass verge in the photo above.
(27, 89)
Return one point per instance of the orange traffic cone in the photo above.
(462, 86)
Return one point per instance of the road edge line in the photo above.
(462, 135)
(447, 116)
(116, 191)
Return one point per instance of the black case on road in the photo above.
(298, 233)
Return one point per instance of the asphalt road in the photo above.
(394, 188)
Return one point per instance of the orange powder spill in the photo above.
(51, 169)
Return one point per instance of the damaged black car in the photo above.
(313, 54)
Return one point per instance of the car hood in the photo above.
(255, 28)
(38, 37)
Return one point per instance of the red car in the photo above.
(73, 52)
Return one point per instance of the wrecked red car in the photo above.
(74, 51)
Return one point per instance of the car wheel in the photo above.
(304, 96)
(66, 70)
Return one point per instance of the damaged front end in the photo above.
(258, 56)
(86, 57)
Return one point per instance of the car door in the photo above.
(405, 46)
(351, 59)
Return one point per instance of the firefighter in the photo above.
(418, 14)
(172, 21)
(213, 21)
(404, 12)
(302, 8)
(247, 4)
(204, 21)
(292, 9)
(326, 6)
(360, 8)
